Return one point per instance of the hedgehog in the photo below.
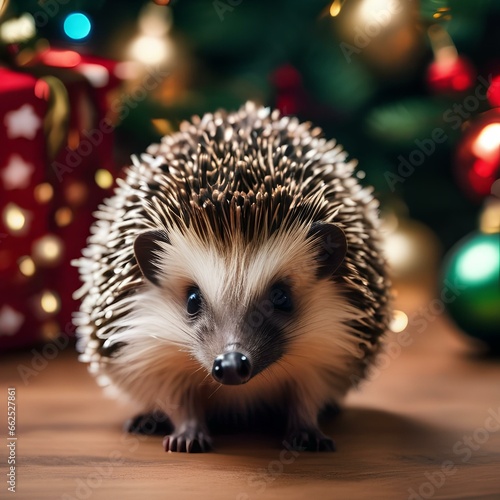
(236, 270)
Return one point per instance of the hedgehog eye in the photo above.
(194, 301)
(281, 298)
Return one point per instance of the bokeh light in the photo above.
(488, 141)
(150, 49)
(104, 178)
(368, 10)
(50, 302)
(14, 218)
(399, 321)
(335, 8)
(477, 157)
(27, 266)
(18, 29)
(77, 26)
(48, 250)
(43, 192)
(479, 261)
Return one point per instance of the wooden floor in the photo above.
(427, 425)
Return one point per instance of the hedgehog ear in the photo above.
(332, 247)
(147, 247)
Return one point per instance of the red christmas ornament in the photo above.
(450, 75)
(477, 157)
(290, 93)
(494, 92)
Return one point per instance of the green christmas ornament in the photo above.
(473, 271)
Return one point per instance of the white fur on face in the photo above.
(162, 359)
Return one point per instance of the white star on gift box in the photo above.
(10, 320)
(17, 173)
(22, 122)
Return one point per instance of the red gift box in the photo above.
(23, 207)
(55, 196)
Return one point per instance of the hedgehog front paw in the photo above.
(188, 440)
(309, 439)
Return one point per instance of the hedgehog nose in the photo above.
(232, 368)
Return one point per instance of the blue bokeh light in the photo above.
(77, 26)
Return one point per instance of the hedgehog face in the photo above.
(239, 337)
(241, 301)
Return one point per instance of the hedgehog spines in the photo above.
(251, 172)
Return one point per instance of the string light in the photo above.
(48, 250)
(43, 192)
(15, 218)
(399, 321)
(50, 302)
(27, 266)
(103, 178)
(63, 216)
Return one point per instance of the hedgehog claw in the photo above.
(310, 440)
(191, 440)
